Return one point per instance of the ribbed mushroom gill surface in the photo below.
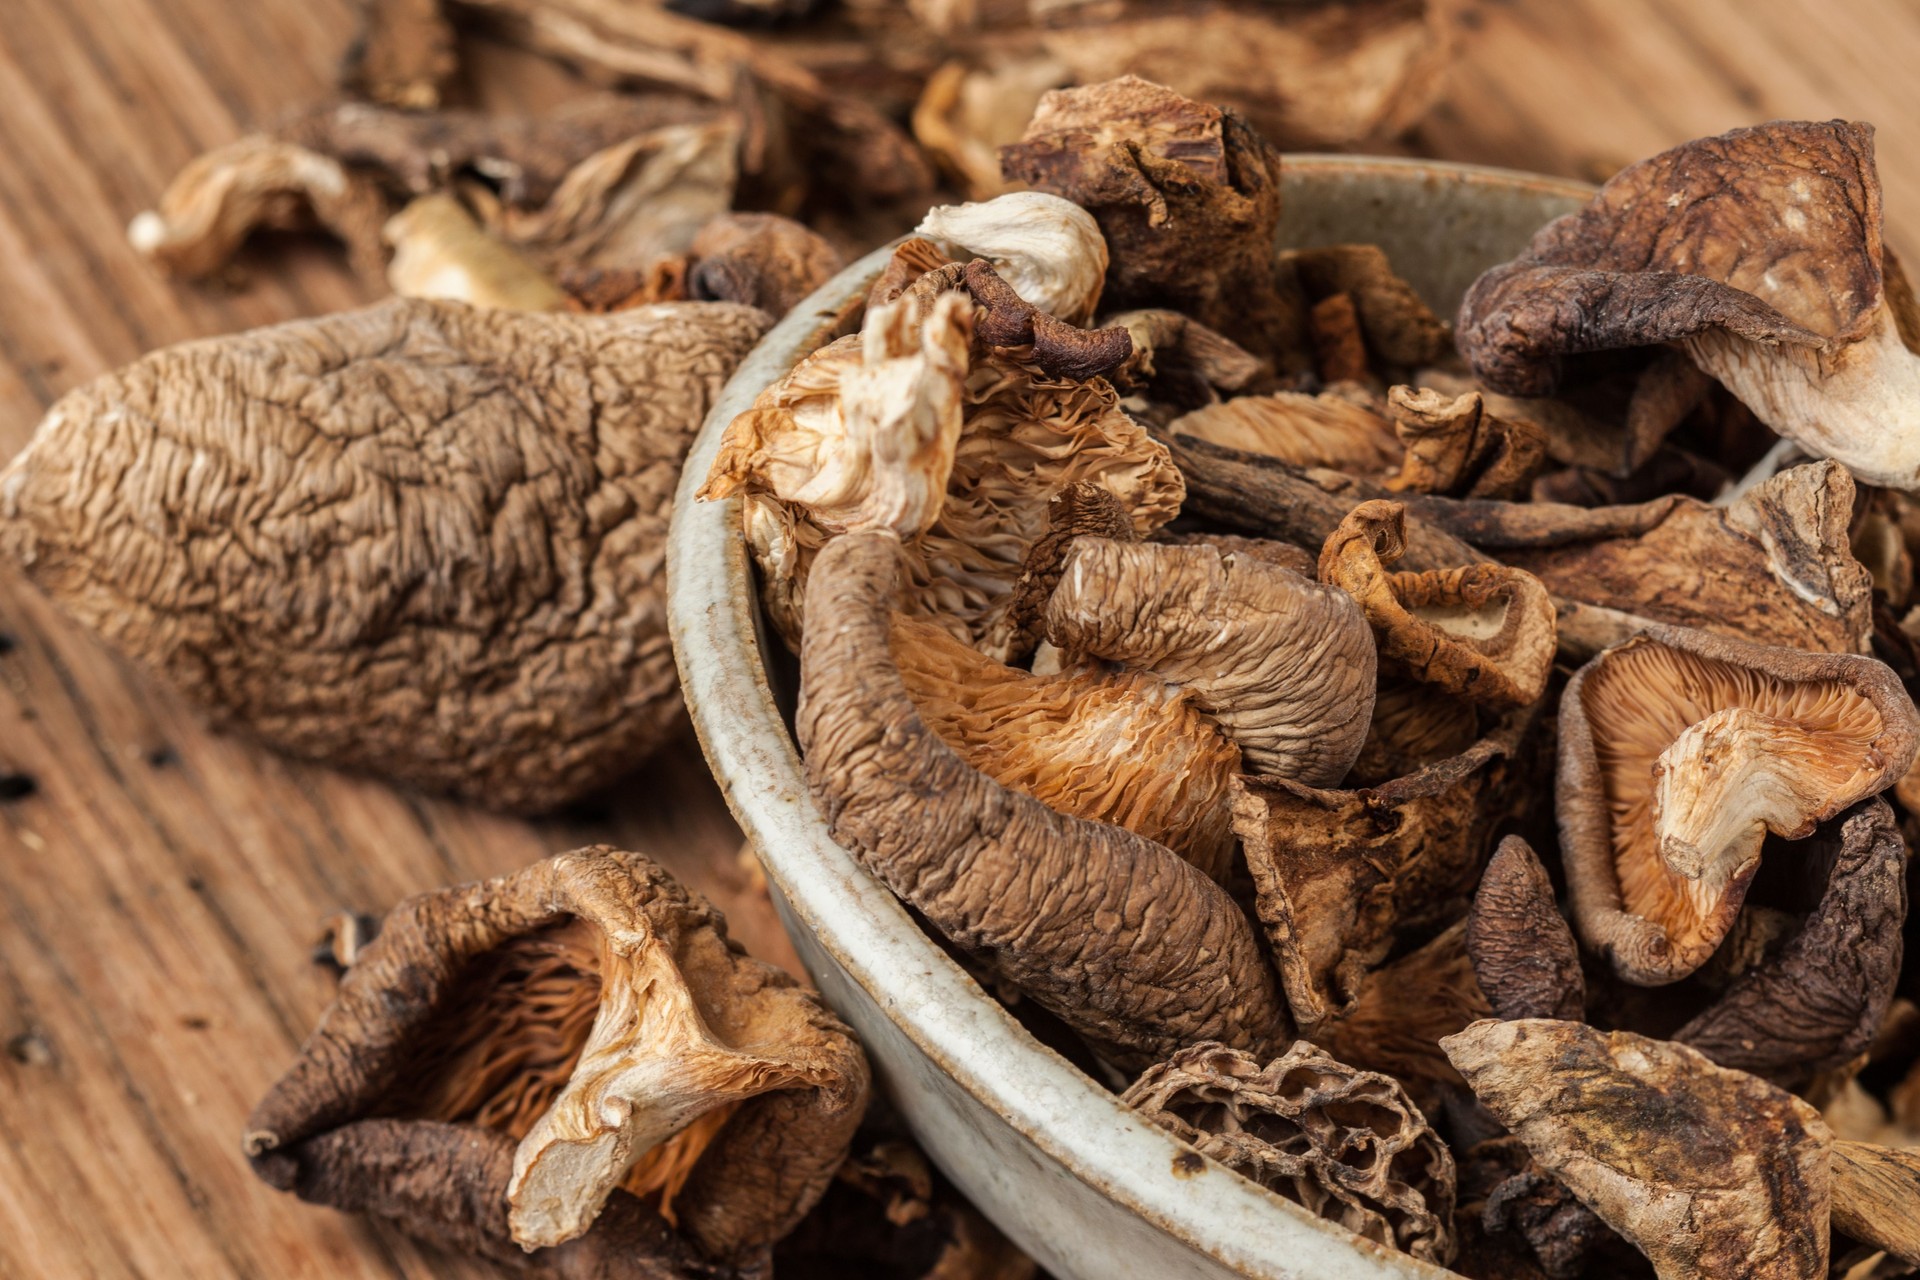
(506, 1046)
(1644, 697)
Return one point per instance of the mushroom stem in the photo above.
(1876, 1197)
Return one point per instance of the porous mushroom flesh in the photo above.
(419, 539)
(1679, 752)
(1284, 664)
(1125, 942)
(588, 1019)
(1708, 1171)
(1760, 251)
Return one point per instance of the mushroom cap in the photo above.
(1523, 954)
(1455, 446)
(1759, 250)
(1710, 1172)
(1679, 751)
(1048, 249)
(1284, 664)
(1342, 431)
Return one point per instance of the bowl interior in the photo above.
(940, 1044)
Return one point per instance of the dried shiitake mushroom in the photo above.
(1523, 954)
(1348, 1145)
(419, 539)
(1679, 752)
(1709, 1171)
(1759, 251)
(560, 1059)
(1130, 946)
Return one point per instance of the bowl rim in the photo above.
(714, 618)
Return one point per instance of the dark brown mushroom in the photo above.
(1679, 751)
(759, 260)
(591, 1011)
(1397, 326)
(1523, 953)
(1129, 945)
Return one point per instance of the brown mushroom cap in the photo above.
(1131, 946)
(758, 260)
(1455, 446)
(1284, 664)
(1121, 747)
(1348, 1145)
(1523, 954)
(1679, 752)
(1759, 250)
(1342, 431)
(591, 1009)
(1710, 1172)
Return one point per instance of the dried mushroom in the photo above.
(1348, 1145)
(258, 182)
(1130, 946)
(1285, 665)
(758, 260)
(1708, 1171)
(439, 251)
(1394, 323)
(1048, 250)
(403, 55)
(1876, 1197)
(1340, 873)
(1341, 431)
(574, 1052)
(1817, 1004)
(1405, 1009)
(1759, 251)
(420, 539)
(1454, 446)
(1679, 752)
(1187, 196)
(1523, 954)
(1121, 747)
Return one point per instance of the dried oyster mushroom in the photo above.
(1708, 1171)
(1285, 665)
(758, 260)
(419, 539)
(1679, 752)
(1337, 430)
(1048, 249)
(1120, 747)
(1348, 1145)
(258, 182)
(1482, 632)
(1338, 873)
(1759, 251)
(439, 251)
(1817, 1004)
(1522, 951)
(1130, 946)
(592, 1011)
(1187, 196)
(1455, 447)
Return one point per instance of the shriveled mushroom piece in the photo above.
(1119, 747)
(1759, 250)
(1081, 510)
(1876, 1197)
(1817, 1003)
(403, 54)
(259, 182)
(439, 251)
(1456, 447)
(419, 539)
(1187, 196)
(1284, 664)
(1348, 1145)
(1679, 752)
(1504, 1194)
(1522, 951)
(1339, 873)
(1395, 324)
(1179, 360)
(1482, 632)
(759, 260)
(1130, 946)
(1049, 250)
(1707, 1171)
(591, 1011)
(1345, 432)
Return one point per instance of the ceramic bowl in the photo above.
(1077, 1180)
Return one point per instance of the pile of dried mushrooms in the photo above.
(1457, 775)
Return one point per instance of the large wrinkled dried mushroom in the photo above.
(1708, 1171)
(1758, 250)
(571, 1053)
(1679, 752)
(1284, 664)
(1117, 936)
(420, 539)
(1348, 1145)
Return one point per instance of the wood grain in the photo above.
(160, 886)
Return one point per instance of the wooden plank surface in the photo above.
(160, 886)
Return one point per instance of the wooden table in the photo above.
(161, 887)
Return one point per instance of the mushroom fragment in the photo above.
(1876, 1197)
(1341, 431)
(1817, 1004)
(592, 1011)
(1405, 1009)
(439, 251)
(1523, 955)
(403, 55)
(1048, 250)
(1348, 1145)
(1285, 665)
(1679, 752)
(1454, 446)
(1397, 326)
(758, 260)
(419, 539)
(1187, 196)
(1126, 943)
(1082, 509)
(1759, 251)
(1708, 1171)
(1120, 747)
